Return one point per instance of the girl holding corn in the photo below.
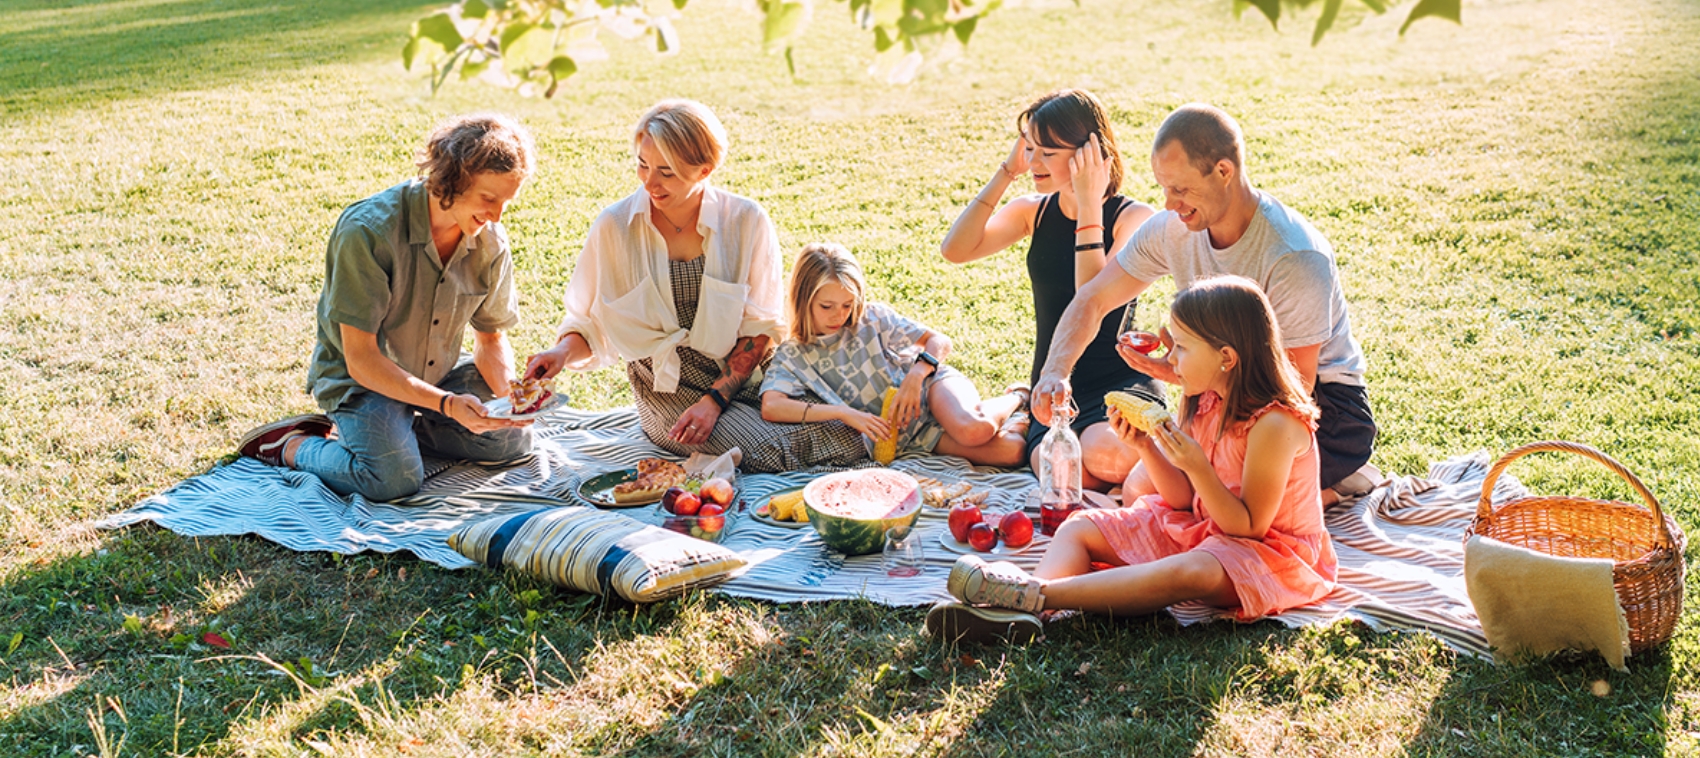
(878, 372)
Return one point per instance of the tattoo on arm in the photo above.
(741, 363)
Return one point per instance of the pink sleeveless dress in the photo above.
(1294, 563)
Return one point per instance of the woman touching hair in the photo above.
(1076, 220)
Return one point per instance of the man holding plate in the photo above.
(406, 271)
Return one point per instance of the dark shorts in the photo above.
(1345, 434)
(1093, 411)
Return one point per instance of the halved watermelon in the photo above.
(852, 509)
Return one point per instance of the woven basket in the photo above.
(1644, 544)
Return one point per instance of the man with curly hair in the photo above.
(406, 271)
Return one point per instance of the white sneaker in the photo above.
(1003, 584)
(956, 622)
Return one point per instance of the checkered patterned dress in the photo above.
(768, 447)
(854, 368)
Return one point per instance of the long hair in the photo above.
(1231, 311)
(1064, 119)
(464, 146)
(820, 264)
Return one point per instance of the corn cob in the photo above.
(788, 507)
(885, 450)
(1143, 414)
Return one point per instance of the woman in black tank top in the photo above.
(1068, 145)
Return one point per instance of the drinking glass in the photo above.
(903, 555)
(1140, 333)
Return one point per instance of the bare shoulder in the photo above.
(1278, 430)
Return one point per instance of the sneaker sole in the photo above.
(306, 422)
(954, 622)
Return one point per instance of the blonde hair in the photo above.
(820, 264)
(464, 146)
(1231, 311)
(686, 131)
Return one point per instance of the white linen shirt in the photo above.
(620, 298)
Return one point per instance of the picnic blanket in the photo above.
(1400, 549)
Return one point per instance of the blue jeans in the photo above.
(381, 442)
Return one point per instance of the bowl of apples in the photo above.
(701, 511)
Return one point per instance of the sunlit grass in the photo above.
(1514, 204)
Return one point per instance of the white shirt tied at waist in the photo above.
(621, 295)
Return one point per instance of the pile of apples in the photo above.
(701, 514)
(968, 525)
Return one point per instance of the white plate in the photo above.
(503, 408)
(1000, 549)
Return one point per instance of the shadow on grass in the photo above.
(124, 632)
(1565, 705)
(66, 55)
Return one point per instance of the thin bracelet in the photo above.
(1088, 228)
(1089, 246)
(806, 406)
(441, 400)
(985, 202)
(1004, 167)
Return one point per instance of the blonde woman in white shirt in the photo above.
(681, 281)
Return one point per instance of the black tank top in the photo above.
(1050, 265)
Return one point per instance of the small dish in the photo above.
(764, 515)
(503, 408)
(963, 548)
(599, 490)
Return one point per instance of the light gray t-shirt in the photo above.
(1280, 251)
(382, 275)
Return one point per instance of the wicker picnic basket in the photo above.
(1644, 543)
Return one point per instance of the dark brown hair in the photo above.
(1231, 311)
(820, 264)
(1064, 119)
(1207, 134)
(465, 146)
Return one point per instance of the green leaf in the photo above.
(790, 62)
(887, 12)
(17, 639)
(439, 28)
(1330, 10)
(562, 67)
(666, 37)
(1271, 10)
(1376, 5)
(474, 9)
(784, 20)
(1447, 9)
(930, 8)
(875, 721)
(882, 41)
(965, 28)
(472, 68)
(524, 47)
(679, 5)
(133, 625)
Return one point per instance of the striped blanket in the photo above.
(1401, 558)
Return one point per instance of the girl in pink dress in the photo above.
(1231, 515)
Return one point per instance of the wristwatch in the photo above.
(927, 358)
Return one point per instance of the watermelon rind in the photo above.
(852, 536)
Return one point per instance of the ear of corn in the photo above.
(1143, 414)
(788, 507)
(885, 450)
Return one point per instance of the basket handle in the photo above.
(1484, 508)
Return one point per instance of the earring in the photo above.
(1224, 369)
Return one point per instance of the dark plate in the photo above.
(761, 513)
(599, 490)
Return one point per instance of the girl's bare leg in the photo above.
(1104, 455)
(973, 429)
(1125, 590)
(1076, 545)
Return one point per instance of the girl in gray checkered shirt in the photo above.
(845, 352)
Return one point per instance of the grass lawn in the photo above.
(1515, 204)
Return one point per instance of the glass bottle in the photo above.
(1059, 469)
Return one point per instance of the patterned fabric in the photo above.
(1400, 547)
(598, 552)
(767, 446)
(855, 367)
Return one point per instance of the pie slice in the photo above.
(529, 395)
(655, 475)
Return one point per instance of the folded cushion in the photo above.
(595, 551)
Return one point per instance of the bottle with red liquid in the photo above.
(1059, 470)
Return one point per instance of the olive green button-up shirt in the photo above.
(383, 275)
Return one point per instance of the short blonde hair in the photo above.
(686, 131)
(820, 264)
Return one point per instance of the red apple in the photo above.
(962, 516)
(670, 497)
(982, 537)
(717, 490)
(1016, 528)
(710, 518)
(687, 504)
